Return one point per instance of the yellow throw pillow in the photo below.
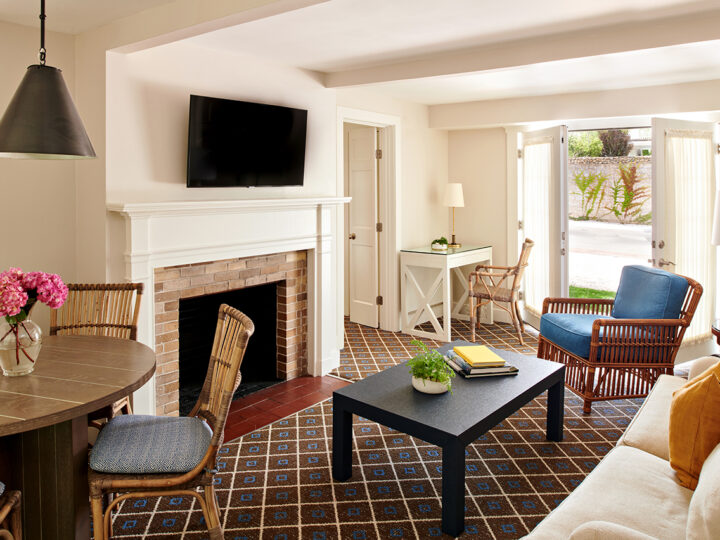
(694, 425)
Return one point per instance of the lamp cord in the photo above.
(42, 53)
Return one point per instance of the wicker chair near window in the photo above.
(10, 514)
(487, 284)
(618, 348)
(100, 309)
(142, 456)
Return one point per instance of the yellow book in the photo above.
(479, 356)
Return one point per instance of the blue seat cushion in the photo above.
(140, 444)
(571, 331)
(649, 293)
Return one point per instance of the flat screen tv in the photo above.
(241, 144)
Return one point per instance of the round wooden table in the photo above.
(43, 425)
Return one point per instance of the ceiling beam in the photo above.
(621, 37)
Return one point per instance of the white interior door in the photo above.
(362, 220)
(684, 184)
(543, 216)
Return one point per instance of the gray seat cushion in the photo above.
(2, 488)
(139, 444)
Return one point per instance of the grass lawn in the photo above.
(583, 292)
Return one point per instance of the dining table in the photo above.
(44, 426)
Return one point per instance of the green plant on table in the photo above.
(430, 364)
(441, 240)
(592, 192)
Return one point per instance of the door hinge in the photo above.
(378, 154)
(562, 139)
(520, 224)
(378, 227)
(653, 244)
(520, 153)
(718, 148)
(521, 295)
(379, 300)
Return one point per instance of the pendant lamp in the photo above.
(41, 121)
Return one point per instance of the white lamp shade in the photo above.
(454, 195)
(716, 221)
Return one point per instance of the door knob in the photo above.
(663, 262)
(352, 236)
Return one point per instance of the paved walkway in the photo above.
(598, 251)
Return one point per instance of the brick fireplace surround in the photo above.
(172, 283)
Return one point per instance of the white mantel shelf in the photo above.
(214, 207)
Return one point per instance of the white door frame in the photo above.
(389, 210)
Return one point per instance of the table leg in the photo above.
(447, 304)
(51, 472)
(556, 410)
(453, 488)
(342, 442)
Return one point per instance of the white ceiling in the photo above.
(650, 67)
(346, 34)
(72, 16)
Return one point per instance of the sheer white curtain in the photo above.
(690, 185)
(537, 174)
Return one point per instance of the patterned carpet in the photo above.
(276, 483)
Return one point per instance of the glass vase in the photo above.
(20, 345)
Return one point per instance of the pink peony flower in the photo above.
(51, 290)
(17, 288)
(13, 296)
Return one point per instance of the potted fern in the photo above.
(430, 373)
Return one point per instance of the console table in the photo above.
(424, 271)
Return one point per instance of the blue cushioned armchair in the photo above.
(618, 348)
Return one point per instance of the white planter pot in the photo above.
(428, 387)
(439, 247)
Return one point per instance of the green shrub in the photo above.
(584, 144)
(615, 142)
(592, 192)
(628, 197)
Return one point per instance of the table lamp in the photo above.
(454, 199)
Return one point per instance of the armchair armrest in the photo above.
(596, 306)
(636, 341)
(479, 266)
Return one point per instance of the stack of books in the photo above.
(478, 361)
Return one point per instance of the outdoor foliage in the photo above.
(615, 142)
(584, 292)
(628, 196)
(430, 364)
(592, 192)
(585, 144)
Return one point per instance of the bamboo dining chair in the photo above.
(499, 285)
(10, 514)
(100, 309)
(142, 456)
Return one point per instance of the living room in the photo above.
(427, 71)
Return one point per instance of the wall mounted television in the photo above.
(242, 144)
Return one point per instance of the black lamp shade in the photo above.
(41, 121)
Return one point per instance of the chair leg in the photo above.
(472, 319)
(589, 382)
(517, 312)
(16, 520)
(213, 521)
(518, 322)
(96, 509)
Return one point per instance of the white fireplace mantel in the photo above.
(159, 234)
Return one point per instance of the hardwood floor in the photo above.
(270, 404)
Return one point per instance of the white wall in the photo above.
(147, 118)
(38, 206)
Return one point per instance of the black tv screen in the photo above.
(241, 144)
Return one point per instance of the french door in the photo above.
(684, 184)
(542, 210)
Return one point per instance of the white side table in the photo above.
(424, 272)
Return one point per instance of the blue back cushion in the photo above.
(649, 293)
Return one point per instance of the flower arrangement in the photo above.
(19, 291)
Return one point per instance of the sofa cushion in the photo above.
(571, 331)
(606, 530)
(649, 293)
(139, 444)
(700, 365)
(648, 431)
(632, 488)
(704, 511)
(694, 425)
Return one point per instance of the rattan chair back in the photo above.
(223, 376)
(99, 309)
(522, 263)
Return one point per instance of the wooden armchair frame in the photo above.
(626, 355)
(223, 377)
(491, 287)
(11, 516)
(100, 309)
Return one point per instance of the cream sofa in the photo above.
(632, 493)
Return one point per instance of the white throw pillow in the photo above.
(606, 530)
(704, 511)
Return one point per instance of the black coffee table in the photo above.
(451, 421)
